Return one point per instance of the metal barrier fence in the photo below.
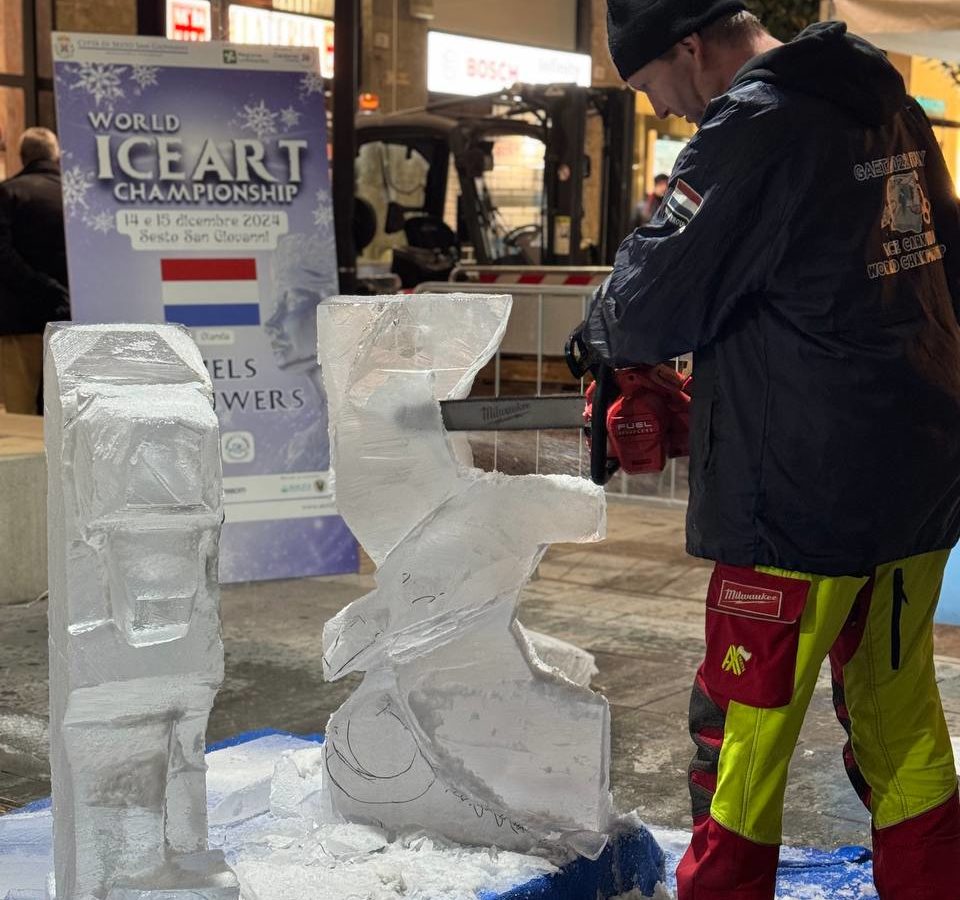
(544, 314)
(574, 276)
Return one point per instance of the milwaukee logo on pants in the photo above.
(750, 601)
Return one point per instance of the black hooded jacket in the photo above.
(808, 253)
(33, 257)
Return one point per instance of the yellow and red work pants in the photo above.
(768, 632)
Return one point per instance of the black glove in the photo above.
(580, 357)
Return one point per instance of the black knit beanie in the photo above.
(640, 31)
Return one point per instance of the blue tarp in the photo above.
(948, 613)
(805, 874)
(633, 860)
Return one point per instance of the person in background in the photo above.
(654, 199)
(33, 269)
(825, 423)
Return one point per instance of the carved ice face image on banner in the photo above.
(135, 506)
(458, 726)
(300, 281)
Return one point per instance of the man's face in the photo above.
(673, 83)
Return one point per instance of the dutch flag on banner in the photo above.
(210, 292)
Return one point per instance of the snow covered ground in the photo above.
(266, 813)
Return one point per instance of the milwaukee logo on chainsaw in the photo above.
(750, 601)
(493, 415)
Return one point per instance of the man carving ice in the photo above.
(825, 452)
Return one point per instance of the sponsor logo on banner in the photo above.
(210, 293)
(64, 47)
(238, 447)
(746, 600)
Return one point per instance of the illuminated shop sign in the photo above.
(279, 29)
(188, 20)
(469, 66)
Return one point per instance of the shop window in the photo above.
(43, 11)
(12, 123)
(26, 71)
(46, 110)
(11, 37)
(666, 152)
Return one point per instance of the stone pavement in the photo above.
(635, 601)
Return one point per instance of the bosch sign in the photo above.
(469, 66)
(503, 73)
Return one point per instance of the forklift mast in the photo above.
(567, 166)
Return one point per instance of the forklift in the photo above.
(423, 183)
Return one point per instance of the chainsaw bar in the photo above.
(554, 411)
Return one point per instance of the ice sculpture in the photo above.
(457, 726)
(136, 659)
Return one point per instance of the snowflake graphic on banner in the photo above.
(75, 184)
(101, 81)
(259, 119)
(311, 83)
(289, 117)
(144, 77)
(102, 222)
(323, 212)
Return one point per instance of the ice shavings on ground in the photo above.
(285, 843)
(301, 857)
(337, 862)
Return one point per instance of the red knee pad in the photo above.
(918, 859)
(721, 865)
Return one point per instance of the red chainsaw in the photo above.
(635, 418)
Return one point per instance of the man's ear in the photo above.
(692, 45)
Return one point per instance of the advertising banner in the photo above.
(196, 190)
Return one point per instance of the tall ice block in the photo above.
(136, 659)
(458, 726)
